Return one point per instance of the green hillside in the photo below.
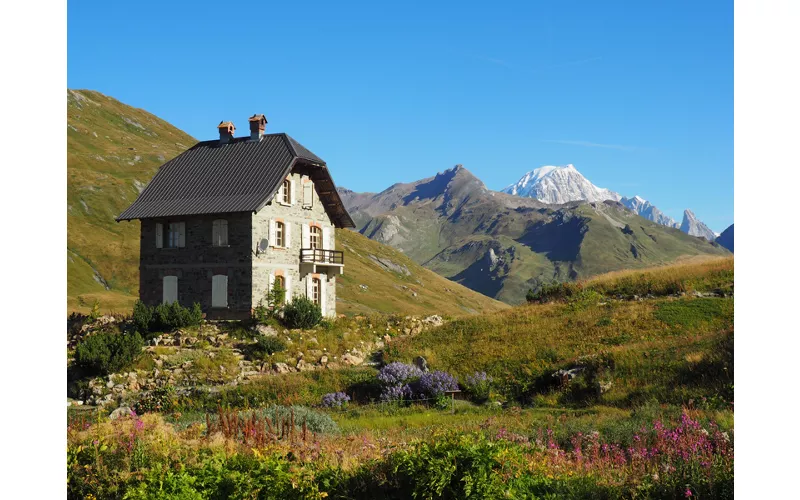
(113, 150)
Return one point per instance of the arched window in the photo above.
(219, 233)
(287, 192)
(280, 234)
(315, 240)
(280, 283)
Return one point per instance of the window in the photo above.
(219, 290)
(280, 233)
(315, 240)
(175, 237)
(219, 233)
(280, 282)
(170, 289)
(316, 290)
(286, 192)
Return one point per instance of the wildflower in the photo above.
(688, 493)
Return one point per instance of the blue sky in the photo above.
(638, 96)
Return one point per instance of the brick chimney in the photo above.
(226, 130)
(257, 125)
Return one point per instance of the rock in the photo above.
(323, 360)
(110, 383)
(351, 359)
(434, 320)
(605, 386)
(266, 330)
(281, 368)
(121, 412)
(304, 367)
(566, 375)
(421, 363)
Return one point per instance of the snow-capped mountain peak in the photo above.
(647, 210)
(691, 225)
(559, 184)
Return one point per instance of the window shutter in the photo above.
(280, 194)
(306, 230)
(309, 292)
(326, 238)
(272, 232)
(181, 234)
(291, 191)
(159, 235)
(322, 295)
(287, 239)
(170, 289)
(215, 236)
(219, 290)
(308, 194)
(288, 280)
(270, 282)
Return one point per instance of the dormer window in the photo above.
(286, 192)
(219, 233)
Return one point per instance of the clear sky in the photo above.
(638, 96)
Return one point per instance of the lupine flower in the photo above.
(397, 373)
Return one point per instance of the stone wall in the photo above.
(197, 262)
(286, 261)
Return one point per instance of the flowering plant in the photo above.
(335, 400)
(397, 393)
(436, 383)
(397, 373)
(478, 385)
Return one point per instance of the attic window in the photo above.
(286, 193)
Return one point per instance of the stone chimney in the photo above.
(257, 125)
(226, 130)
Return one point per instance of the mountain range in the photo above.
(562, 184)
(503, 244)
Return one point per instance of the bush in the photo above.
(397, 393)
(165, 317)
(269, 345)
(398, 373)
(478, 386)
(335, 400)
(162, 400)
(435, 384)
(107, 352)
(302, 312)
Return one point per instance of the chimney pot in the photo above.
(226, 131)
(258, 123)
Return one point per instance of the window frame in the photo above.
(315, 234)
(286, 193)
(316, 291)
(280, 234)
(281, 280)
(217, 227)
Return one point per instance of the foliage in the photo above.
(397, 373)
(162, 399)
(436, 383)
(105, 353)
(165, 317)
(271, 305)
(95, 312)
(267, 345)
(335, 400)
(302, 312)
(397, 393)
(478, 386)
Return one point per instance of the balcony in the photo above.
(315, 260)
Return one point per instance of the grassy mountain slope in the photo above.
(395, 283)
(665, 348)
(113, 150)
(502, 245)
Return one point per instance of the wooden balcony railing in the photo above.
(319, 256)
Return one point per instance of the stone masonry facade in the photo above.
(250, 261)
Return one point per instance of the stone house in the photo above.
(226, 219)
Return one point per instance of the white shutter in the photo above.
(170, 289)
(219, 290)
(323, 281)
(159, 235)
(306, 230)
(291, 191)
(270, 283)
(271, 232)
(308, 194)
(309, 292)
(287, 238)
(181, 234)
(326, 238)
(287, 278)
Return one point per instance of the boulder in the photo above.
(351, 359)
(434, 320)
(121, 412)
(281, 367)
(266, 330)
(421, 363)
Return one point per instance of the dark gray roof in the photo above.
(241, 176)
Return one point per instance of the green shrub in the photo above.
(107, 352)
(165, 317)
(269, 345)
(302, 312)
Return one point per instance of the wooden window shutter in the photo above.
(170, 289)
(291, 191)
(271, 232)
(308, 194)
(326, 238)
(287, 238)
(159, 235)
(323, 281)
(215, 233)
(219, 290)
(306, 230)
(270, 282)
(309, 289)
(181, 234)
(288, 280)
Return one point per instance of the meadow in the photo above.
(593, 393)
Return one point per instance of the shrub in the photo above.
(269, 345)
(165, 317)
(107, 352)
(398, 373)
(302, 312)
(335, 400)
(435, 384)
(162, 400)
(397, 393)
(478, 386)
